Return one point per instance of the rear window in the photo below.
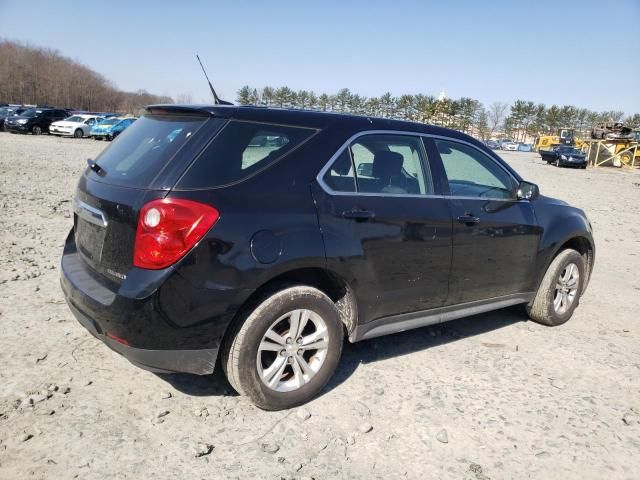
(241, 149)
(139, 154)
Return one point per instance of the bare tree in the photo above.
(496, 113)
(42, 76)
(184, 98)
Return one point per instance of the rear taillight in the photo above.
(168, 229)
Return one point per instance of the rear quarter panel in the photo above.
(268, 226)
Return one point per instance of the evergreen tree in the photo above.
(244, 95)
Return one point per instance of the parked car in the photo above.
(510, 146)
(75, 126)
(110, 128)
(9, 111)
(193, 244)
(34, 120)
(565, 156)
(493, 145)
(525, 147)
(503, 141)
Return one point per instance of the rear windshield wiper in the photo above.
(96, 168)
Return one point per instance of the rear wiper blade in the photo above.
(96, 168)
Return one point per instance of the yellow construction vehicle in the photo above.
(564, 136)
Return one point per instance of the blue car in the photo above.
(110, 128)
(525, 147)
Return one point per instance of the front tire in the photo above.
(559, 292)
(78, 133)
(36, 130)
(284, 351)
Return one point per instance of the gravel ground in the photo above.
(492, 396)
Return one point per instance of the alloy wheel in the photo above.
(566, 288)
(292, 350)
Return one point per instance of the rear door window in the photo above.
(341, 177)
(391, 164)
(144, 149)
(240, 150)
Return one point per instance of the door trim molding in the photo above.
(409, 321)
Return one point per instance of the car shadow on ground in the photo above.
(369, 351)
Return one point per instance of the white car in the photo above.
(75, 126)
(512, 146)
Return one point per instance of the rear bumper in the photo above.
(148, 338)
(199, 362)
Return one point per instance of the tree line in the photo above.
(42, 76)
(520, 120)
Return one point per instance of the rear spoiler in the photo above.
(170, 109)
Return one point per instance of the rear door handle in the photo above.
(468, 219)
(360, 215)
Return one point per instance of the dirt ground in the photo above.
(492, 396)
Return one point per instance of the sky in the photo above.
(583, 53)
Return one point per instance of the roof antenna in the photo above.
(216, 100)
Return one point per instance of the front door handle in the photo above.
(359, 215)
(468, 219)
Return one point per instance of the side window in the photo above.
(262, 144)
(392, 164)
(471, 173)
(241, 149)
(90, 121)
(340, 177)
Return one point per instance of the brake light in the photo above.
(168, 229)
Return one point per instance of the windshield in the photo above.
(75, 118)
(568, 150)
(6, 111)
(110, 121)
(32, 112)
(145, 148)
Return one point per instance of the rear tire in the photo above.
(250, 354)
(548, 307)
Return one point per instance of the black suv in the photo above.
(260, 238)
(35, 120)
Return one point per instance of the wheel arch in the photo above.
(330, 283)
(582, 242)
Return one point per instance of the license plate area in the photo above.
(90, 240)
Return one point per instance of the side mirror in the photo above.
(528, 191)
